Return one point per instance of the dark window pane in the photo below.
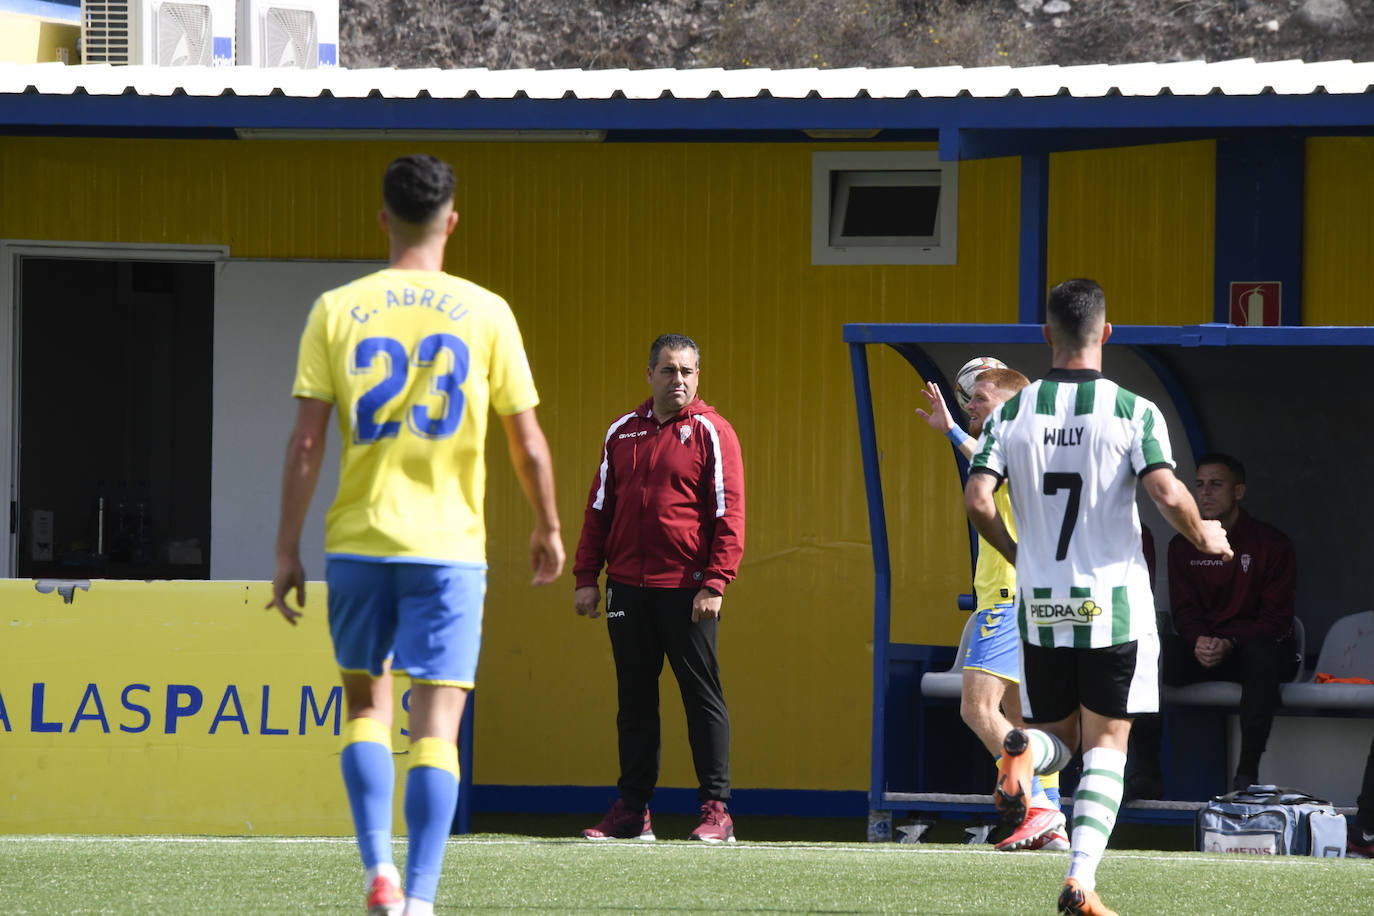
(115, 418)
(891, 211)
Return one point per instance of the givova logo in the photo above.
(174, 708)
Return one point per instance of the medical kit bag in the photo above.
(1271, 821)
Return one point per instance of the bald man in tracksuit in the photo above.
(665, 516)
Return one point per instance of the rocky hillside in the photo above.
(845, 33)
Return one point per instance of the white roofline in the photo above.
(1192, 78)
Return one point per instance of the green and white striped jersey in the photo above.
(1073, 445)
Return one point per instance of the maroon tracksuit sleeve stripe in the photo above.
(727, 542)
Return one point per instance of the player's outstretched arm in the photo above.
(982, 511)
(529, 453)
(301, 469)
(940, 419)
(1176, 504)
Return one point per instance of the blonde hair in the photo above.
(1004, 379)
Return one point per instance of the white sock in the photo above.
(385, 868)
(1095, 804)
(417, 907)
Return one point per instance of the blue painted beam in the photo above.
(993, 143)
(882, 567)
(1204, 335)
(1259, 218)
(1031, 278)
(951, 144)
(1333, 113)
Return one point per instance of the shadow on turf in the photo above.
(777, 829)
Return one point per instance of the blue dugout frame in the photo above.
(908, 340)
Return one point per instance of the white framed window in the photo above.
(884, 208)
(45, 294)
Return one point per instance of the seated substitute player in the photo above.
(990, 702)
(1075, 443)
(412, 356)
(1234, 621)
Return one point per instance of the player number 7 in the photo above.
(1073, 482)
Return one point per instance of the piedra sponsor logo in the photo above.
(1050, 610)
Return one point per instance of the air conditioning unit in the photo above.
(158, 32)
(289, 33)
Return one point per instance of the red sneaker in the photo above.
(716, 825)
(1054, 841)
(385, 898)
(622, 823)
(1360, 844)
(1040, 822)
(1014, 774)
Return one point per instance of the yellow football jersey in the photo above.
(412, 359)
(994, 579)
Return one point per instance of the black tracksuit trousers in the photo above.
(646, 625)
(1260, 666)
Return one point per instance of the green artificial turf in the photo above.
(503, 873)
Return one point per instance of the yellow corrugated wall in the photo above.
(1141, 221)
(26, 39)
(1338, 232)
(599, 247)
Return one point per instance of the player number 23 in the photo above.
(439, 416)
(1064, 480)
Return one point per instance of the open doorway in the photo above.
(114, 402)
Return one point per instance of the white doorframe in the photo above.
(12, 254)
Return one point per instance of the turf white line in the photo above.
(115, 840)
(670, 846)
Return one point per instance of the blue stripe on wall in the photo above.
(1259, 217)
(1035, 208)
(596, 799)
(62, 10)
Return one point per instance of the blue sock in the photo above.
(431, 800)
(1045, 791)
(369, 777)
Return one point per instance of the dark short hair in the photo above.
(1229, 462)
(1075, 307)
(672, 342)
(415, 187)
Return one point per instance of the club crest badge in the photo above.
(684, 432)
(1245, 562)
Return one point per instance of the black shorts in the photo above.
(1119, 682)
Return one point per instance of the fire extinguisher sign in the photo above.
(1256, 303)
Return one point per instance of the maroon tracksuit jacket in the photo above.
(666, 508)
(1244, 598)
